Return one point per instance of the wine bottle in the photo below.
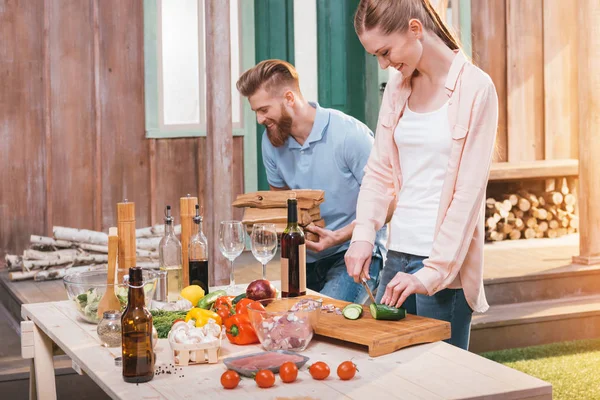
(293, 254)
(198, 254)
(136, 333)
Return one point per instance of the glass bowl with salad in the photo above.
(85, 290)
(286, 323)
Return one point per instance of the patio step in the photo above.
(537, 322)
(558, 283)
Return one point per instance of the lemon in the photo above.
(192, 293)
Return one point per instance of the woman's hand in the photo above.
(358, 260)
(400, 287)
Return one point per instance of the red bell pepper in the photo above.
(239, 330)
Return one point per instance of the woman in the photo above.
(433, 150)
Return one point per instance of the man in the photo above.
(306, 146)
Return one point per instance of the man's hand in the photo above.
(358, 260)
(327, 238)
(400, 287)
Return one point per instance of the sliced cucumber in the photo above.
(383, 312)
(352, 311)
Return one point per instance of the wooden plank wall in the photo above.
(533, 65)
(72, 141)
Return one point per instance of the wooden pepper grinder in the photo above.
(127, 245)
(187, 211)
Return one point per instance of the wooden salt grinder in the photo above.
(187, 211)
(127, 245)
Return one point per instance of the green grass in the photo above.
(573, 368)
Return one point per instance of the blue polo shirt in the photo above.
(332, 159)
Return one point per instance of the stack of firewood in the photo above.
(271, 207)
(525, 215)
(74, 250)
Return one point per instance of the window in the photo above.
(175, 68)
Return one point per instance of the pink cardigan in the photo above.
(456, 259)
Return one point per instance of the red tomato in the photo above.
(230, 379)
(265, 378)
(288, 372)
(319, 370)
(346, 370)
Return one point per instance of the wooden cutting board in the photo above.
(382, 337)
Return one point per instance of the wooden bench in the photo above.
(507, 171)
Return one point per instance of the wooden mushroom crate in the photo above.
(185, 354)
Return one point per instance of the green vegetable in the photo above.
(163, 320)
(383, 312)
(352, 311)
(210, 298)
(238, 298)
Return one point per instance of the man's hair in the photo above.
(269, 75)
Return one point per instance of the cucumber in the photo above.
(352, 311)
(238, 298)
(383, 312)
(207, 301)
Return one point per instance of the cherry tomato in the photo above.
(242, 306)
(177, 320)
(265, 378)
(319, 370)
(256, 305)
(346, 370)
(288, 372)
(230, 379)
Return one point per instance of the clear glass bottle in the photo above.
(169, 259)
(109, 329)
(198, 254)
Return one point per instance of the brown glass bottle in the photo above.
(136, 333)
(293, 255)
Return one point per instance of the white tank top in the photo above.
(424, 142)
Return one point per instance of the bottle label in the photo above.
(302, 254)
(285, 273)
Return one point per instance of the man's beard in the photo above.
(280, 133)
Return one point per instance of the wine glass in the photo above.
(264, 244)
(232, 241)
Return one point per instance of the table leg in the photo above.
(42, 372)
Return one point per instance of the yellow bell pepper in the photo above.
(202, 316)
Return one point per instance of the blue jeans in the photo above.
(446, 305)
(330, 277)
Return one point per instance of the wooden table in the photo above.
(431, 371)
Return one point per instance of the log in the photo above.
(570, 208)
(515, 235)
(542, 201)
(31, 254)
(542, 227)
(532, 198)
(519, 224)
(539, 213)
(504, 228)
(539, 234)
(529, 233)
(570, 200)
(553, 225)
(564, 188)
(552, 233)
(490, 202)
(104, 250)
(307, 199)
(496, 236)
(79, 235)
(491, 223)
(13, 261)
(513, 199)
(553, 198)
(80, 259)
(524, 204)
(562, 231)
(531, 222)
(43, 241)
(519, 213)
(156, 230)
(574, 223)
(148, 243)
(571, 230)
